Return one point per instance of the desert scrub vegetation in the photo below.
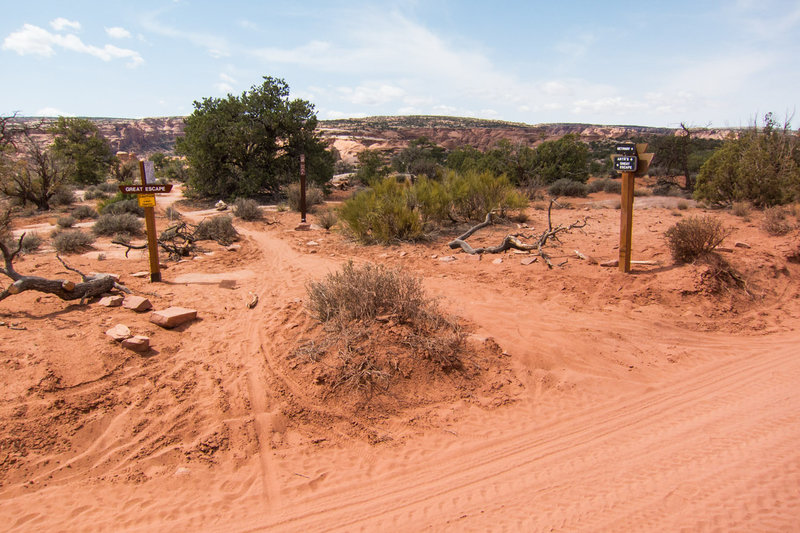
(327, 219)
(568, 187)
(314, 196)
(111, 224)
(393, 211)
(65, 221)
(72, 241)
(31, 241)
(351, 301)
(219, 228)
(606, 185)
(119, 204)
(694, 237)
(247, 209)
(82, 212)
(776, 222)
(761, 165)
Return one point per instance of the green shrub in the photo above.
(72, 241)
(247, 209)
(219, 228)
(693, 237)
(567, 187)
(382, 214)
(65, 221)
(314, 196)
(474, 194)
(109, 224)
(83, 212)
(775, 222)
(120, 203)
(432, 199)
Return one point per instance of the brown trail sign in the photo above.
(146, 194)
(632, 160)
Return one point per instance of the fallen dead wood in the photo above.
(89, 287)
(513, 240)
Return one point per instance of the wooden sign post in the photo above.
(303, 188)
(146, 194)
(632, 161)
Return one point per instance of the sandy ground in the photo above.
(605, 401)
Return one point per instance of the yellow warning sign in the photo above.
(147, 200)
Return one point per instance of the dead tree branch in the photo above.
(513, 240)
(89, 287)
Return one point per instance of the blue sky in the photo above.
(658, 63)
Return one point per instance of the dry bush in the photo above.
(84, 211)
(30, 242)
(172, 214)
(775, 222)
(219, 228)
(363, 293)
(693, 237)
(65, 221)
(682, 205)
(247, 209)
(355, 300)
(314, 196)
(72, 242)
(740, 209)
(110, 224)
(327, 219)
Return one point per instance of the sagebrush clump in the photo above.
(314, 196)
(72, 241)
(247, 209)
(110, 224)
(694, 237)
(219, 228)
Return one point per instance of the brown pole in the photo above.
(626, 222)
(150, 226)
(303, 188)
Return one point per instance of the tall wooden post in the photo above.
(626, 222)
(302, 188)
(150, 226)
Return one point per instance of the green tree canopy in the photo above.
(249, 145)
(421, 157)
(566, 157)
(84, 150)
(760, 165)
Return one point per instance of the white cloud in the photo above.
(117, 32)
(216, 47)
(226, 77)
(223, 88)
(51, 112)
(38, 41)
(61, 23)
(372, 95)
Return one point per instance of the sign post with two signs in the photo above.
(146, 193)
(631, 160)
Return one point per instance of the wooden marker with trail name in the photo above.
(146, 193)
(631, 160)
